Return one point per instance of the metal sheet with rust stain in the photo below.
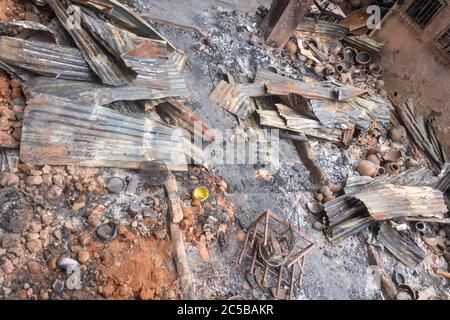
(59, 132)
(327, 32)
(102, 62)
(232, 100)
(402, 247)
(401, 201)
(45, 59)
(93, 93)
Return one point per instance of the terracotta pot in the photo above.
(375, 70)
(318, 70)
(374, 159)
(328, 70)
(398, 133)
(343, 66)
(368, 169)
(392, 168)
(349, 54)
(363, 58)
(392, 155)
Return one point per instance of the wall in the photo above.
(414, 68)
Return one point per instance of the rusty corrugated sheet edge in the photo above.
(59, 132)
(99, 59)
(232, 100)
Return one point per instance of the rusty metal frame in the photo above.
(285, 274)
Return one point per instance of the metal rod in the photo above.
(280, 278)
(266, 230)
(300, 277)
(291, 287)
(241, 255)
(254, 261)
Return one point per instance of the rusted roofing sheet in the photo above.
(99, 59)
(232, 100)
(402, 247)
(59, 132)
(273, 119)
(92, 93)
(325, 31)
(121, 42)
(401, 201)
(313, 91)
(45, 59)
(120, 14)
(9, 28)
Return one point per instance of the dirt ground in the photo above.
(137, 264)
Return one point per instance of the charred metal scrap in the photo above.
(60, 132)
(276, 248)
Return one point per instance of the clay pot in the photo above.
(369, 169)
(343, 66)
(349, 54)
(326, 191)
(392, 168)
(381, 83)
(333, 58)
(392, 155)
(398, 133)
(363, 58)
(328, 70)
(318, 70)
(374, 159)
(383, 93)
(375, 70)
(291, 49)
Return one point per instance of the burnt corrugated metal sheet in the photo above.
(102, 62)
(422, 133)
(348, 228)
(120, 14)
(59, 132)
(325, 31)
(45, 59)
(364, 43)
(402, 247)
(92, 93)
(273, 119)
(388, 201)
(9, 28)
(232, 100)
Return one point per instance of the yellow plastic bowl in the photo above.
(200, 193)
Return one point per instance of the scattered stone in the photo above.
(314, 207)
(10, 240)
(6, 265)
(107, 232)
(10, 180)
(96, 214)
(44, 295)
(58, 180)
(58, 234)
(83, 256)
(33, 266)
(35, 227)
(79, 205)
(22, 294)
(318, 226)
(84, 239)
(160, 233)
(46, 169)
(115, 185)
(147, 294)
(34, 180)
(15, 211)
(55, 192)
(58, 286)
(34, 246)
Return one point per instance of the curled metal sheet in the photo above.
(232, 100)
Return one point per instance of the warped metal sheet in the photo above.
(232, 100)
(99, 59)
(45, 59)
(422, 133)
(342, 209)
(312, 90)
(273, 119)
(348, 228)
(91, 93)
(401, 201)
(126, 17)
(9, 27)
(122, 42)
(59, 132)
(325, 31)
(402, 247)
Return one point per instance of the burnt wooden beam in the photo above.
(282, 19)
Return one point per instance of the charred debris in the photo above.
(108, 92)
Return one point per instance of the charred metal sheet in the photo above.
(357, 112)
(9, 28)
(313, 91)
(13, 71)
(185, 118)
(365, 43)
(232, 100)
(59, 132)
(342, 209)
(273, 119)
(401, 201)
(443, 180)
(122, 15)
(91, 93)
(45, 59)
(400, 245)
(327, 32)
(348, 228)
(422, 133)
(99, 59)
(122, 42)
(282, 19)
